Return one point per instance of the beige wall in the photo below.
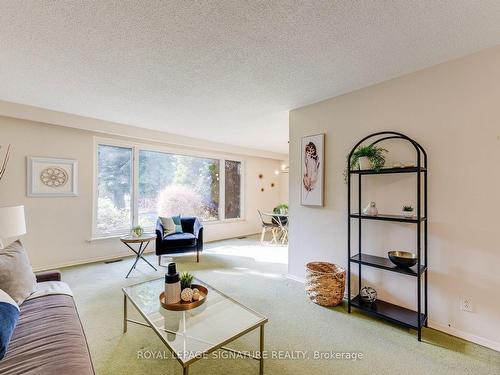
(453, 110)
(59, 229)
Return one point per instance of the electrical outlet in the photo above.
(466, 304)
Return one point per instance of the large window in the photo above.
(176, 184)
(136, 185)
(233, 189)
(114, 189)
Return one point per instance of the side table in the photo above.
(143, 242)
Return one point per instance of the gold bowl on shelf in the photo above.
(183, 306)
(403, 259)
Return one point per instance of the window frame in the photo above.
(136, 147)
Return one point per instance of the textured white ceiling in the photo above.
(223, 70)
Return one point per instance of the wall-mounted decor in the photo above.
(262, 189)
(52, 177)
(261, 175)
(312, 152)
(272, 184)
(5, 161)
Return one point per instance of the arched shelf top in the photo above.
(386, 135)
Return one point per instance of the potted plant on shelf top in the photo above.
(368, 157)
(407, 211)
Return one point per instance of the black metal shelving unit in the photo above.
(415, 319)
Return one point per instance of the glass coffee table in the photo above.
(192, 335)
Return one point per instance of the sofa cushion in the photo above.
(16, 276)
(179, 240)
(48, 340)
(9, 313)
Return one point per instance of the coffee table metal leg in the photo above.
(261, 360)
(124, 314)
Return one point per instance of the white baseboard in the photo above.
(301, 280)
(437, 326)
(89, 261)
(125, 254)
(465, 335)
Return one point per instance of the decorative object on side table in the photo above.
(371, 209)
(52, 177)
(407, 211)
(325, 283)
(402, 259)
(137, 231)
(5, 161)
(368, 294)
(312, 170)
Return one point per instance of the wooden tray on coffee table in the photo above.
(183, 306)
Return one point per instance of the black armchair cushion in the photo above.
(179, 240)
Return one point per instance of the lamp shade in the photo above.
(12, 223)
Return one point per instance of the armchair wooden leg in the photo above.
(159, 260)
(262, 235)
(197, 256)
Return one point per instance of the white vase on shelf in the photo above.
(364, 163)
(407, 213)
(371, 209)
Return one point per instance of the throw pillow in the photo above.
(16, 276)
(171, 225)
(9, 311)
(178, 224)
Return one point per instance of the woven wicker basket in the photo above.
(325, 283)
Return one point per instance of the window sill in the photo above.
(110, 236)
(225, 221)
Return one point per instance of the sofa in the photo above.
(191, 238)
(48, 338)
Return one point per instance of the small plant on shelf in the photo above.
(186, 280)
(368, 157)
(407, 211)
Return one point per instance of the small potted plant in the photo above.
(281, 209)
(137, 231)
(368, 157)
(186, 280)
(407, 211)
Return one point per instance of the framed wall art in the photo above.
(313, 166)
(50, 177)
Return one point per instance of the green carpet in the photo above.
(295, 324)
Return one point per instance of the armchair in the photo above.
(190, 240)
